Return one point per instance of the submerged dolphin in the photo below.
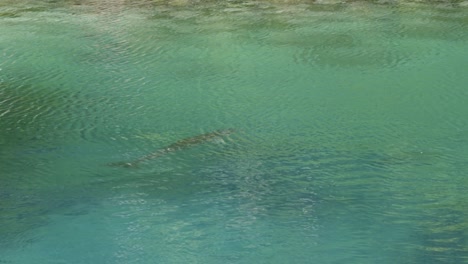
(181, 144)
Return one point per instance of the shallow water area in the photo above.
(348, 140)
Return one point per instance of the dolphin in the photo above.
(178, 145)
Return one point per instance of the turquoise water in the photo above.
(350, 139)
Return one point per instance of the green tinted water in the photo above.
(350, 138)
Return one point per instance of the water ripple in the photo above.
(349, 127)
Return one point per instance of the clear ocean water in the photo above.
(350, 142)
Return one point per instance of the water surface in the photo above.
(349, 145)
